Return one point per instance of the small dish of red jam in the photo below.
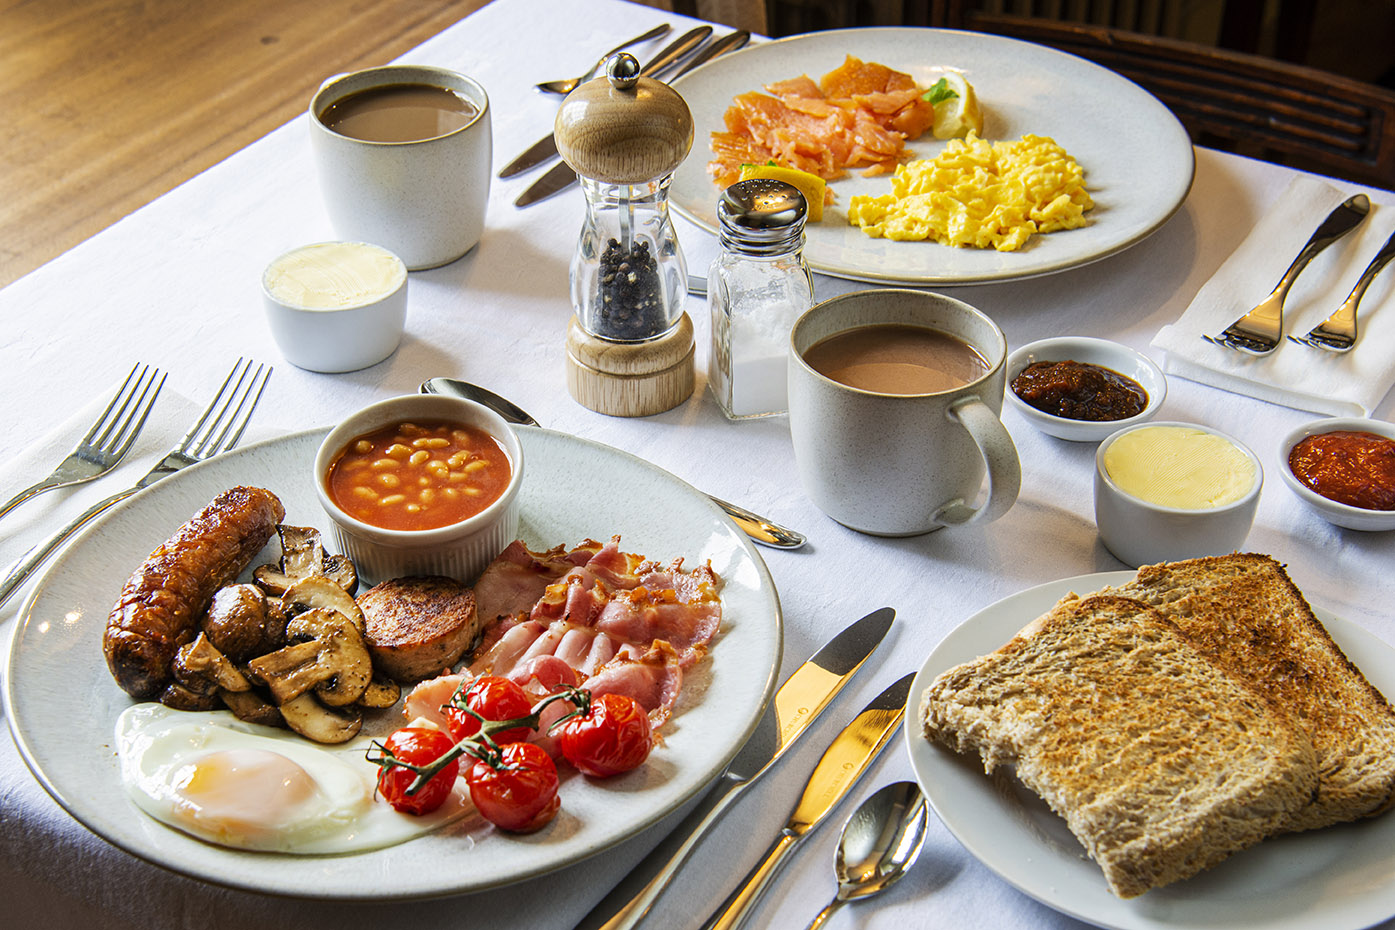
(1343, 469)
(1351, 467)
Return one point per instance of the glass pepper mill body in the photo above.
(757, 287)
(628, 276)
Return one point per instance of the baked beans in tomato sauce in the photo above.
(418, 475)
(1348, 466)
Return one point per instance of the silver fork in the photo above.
(1337, 333)
(1260, 331)
(109, 439)
(217, 430)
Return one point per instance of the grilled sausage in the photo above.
(160, 606)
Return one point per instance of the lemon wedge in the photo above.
(810, 185)
(956, 115)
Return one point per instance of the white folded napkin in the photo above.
(1294, 375)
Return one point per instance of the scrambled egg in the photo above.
(979, 194)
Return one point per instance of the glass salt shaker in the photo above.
(757, 287)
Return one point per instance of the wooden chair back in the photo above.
(1252, 105)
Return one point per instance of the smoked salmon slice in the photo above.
(858, 115)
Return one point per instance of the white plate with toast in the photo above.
(1336, 878)
(63, 705)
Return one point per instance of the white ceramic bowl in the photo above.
(1353, 518)
(336, 306)
(459, 551)
(1085, 349)
(1140, 532)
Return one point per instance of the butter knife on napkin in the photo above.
(1294, 375)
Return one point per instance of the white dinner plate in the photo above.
(1337, 878)
(1137, 158)
(63, 704)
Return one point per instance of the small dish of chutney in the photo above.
(1343, 469)
(1083, 389)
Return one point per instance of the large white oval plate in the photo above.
(1338, 878)
(63, 704)
(1137, 158)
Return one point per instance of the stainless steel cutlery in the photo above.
(1338, 332)
(109, 439)
(1260, 331)
(217, 430)
(567, 86)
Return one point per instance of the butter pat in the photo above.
(334, 276)
(1180, 467)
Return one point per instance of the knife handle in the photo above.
(632, 898)
(738, 906)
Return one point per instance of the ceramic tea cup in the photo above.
(895, 398)
(403, 156)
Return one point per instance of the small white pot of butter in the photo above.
(1171, 491)
(336, 306)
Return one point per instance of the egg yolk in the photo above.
(244, 792)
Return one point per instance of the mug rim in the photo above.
(318, 103)
(992, 369)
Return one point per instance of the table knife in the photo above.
(797, 704)
(546, 147)
(852, 752)
(560, 177)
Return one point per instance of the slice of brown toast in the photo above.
(1244, 612)
(1161, 763)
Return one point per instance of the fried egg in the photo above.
(253, 787)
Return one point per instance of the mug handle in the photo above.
(999, 455)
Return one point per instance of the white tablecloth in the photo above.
(176, 284)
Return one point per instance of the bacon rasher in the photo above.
(592, 616)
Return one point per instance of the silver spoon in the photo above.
(754, 525)
(567, 86)
(881, 840)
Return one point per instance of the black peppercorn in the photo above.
(631, 304)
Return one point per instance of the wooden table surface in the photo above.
(110, 103)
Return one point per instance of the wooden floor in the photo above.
(109, 103)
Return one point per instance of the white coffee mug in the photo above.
(422, 200)
(902, 464)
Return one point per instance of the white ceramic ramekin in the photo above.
(461, 550)
(1345, 515)
(339, 338)
(1140, 532)
(1092, 351)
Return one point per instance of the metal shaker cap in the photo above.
(762, 216)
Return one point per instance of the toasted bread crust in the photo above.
(1244, 612)
(1157, 781)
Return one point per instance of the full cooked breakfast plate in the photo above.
(724, 652)
(1138, 160)
(1290, 859)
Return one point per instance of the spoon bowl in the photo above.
(881, 840)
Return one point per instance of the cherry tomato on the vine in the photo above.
(416, 746)
(613, 736)
(493, 698)
(519, 794)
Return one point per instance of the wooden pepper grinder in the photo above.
(629, 343)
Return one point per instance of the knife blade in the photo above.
(800, 700)
(850, 755)
(546, 147)
(560, 177)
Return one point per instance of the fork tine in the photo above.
(251, 398)
(136, 421)
(214, 409)
(103, 423)
(230, 410)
